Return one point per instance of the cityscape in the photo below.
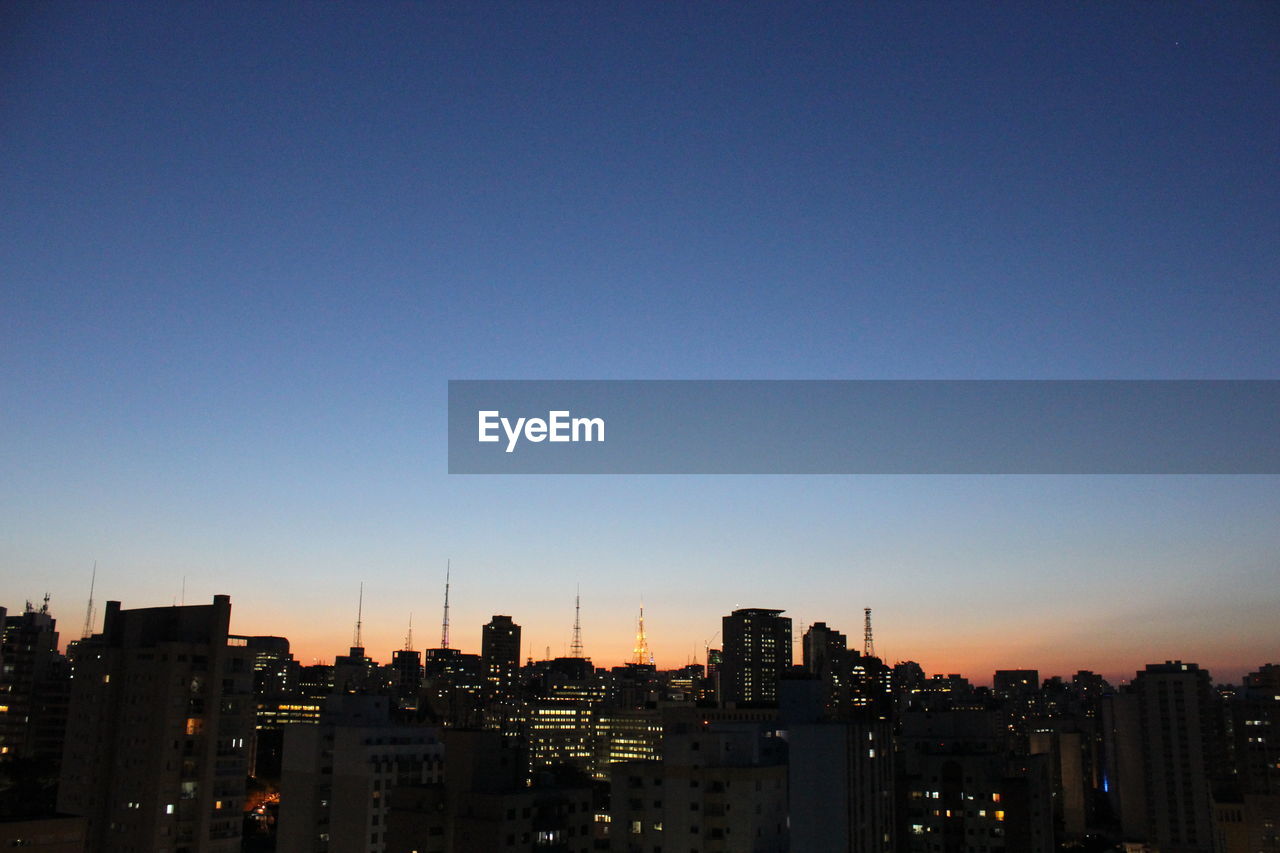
(926, 500)
(164, 730)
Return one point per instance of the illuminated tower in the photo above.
(642, 652)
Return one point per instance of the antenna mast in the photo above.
(575, 648)
(868, 644)
(444, 629)
(88, 613)
(356, 640)
(408, 640)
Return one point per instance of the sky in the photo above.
(245, 247)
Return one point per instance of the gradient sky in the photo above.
(246, 245)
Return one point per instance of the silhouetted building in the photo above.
(757, 651)
(484, 804)
(338, 774)
(407, 665)
(34, 687)
(500, 653)
(1163, 743)
(966, 791)
(720, 786)
(158, 733)
(841, 786)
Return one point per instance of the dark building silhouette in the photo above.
(485, 804)
(721, 785)
(1163, 748)
(757, 651)
(965, 790)
(34, 686)
(161, 716)
(840, 776)
(500, 652)
(338, 773)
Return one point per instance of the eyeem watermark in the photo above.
(559, 425)
(865, 427)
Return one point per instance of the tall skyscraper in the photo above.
(757, 651)
(161, 715)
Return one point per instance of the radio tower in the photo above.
(868, 644)
(575, 648)
(88, 612)
(444, 628)
(408, 638)
(643, 655)
(360, 614)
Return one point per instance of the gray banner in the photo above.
(864, 427)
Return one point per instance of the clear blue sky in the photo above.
(246, 245)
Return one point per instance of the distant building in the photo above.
(500, 653)
(161, 716)
(757, 651)
(407, 666)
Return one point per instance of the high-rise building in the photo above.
(160, 719)
(407, 666)
(500, 652)
(34, 684)
(1163, 745)
(757, 651)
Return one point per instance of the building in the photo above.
(407, 665)
(35, 681)
(841, 786)
(484, 804)
(337, 775)
(500, 653)
(1163, 748)
(965, 790)
(721, 787)
(631, 734)
(158, 732)
(757, 651)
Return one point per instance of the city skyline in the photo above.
(1225, 671)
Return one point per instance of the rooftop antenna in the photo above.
(643, 654)
(868, 644)
(575, 648)
(356, 642)
(88, 612)
(408, 640)
(44, 608)
(444, 629)
(184, 590)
